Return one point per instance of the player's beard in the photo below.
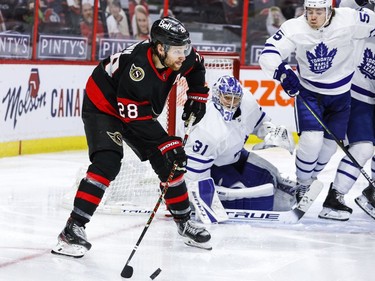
(174, 64)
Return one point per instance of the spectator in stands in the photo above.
(73, 16)
(274, 20)
(141, 23)
(133, 4)
(53, 19)
(117, 22)
(87, 23)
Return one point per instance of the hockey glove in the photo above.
(196, 104)
(289, 80)
(173, 151)
(364, 2)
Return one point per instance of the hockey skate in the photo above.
(72, 241)
(193, 235)
(366, 201)
(301, 190)
(334, 207)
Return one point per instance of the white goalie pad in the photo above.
(277, 136)
(207, 205)
(228, 194)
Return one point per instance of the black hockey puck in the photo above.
(155, 274)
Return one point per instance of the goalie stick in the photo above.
(127, 271)
(292, 216)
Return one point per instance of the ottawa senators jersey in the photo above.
(127, 85)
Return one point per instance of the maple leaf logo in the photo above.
(321, 61)
(367, 67)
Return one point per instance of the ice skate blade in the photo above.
(65, 249)
(365, 205)
(337, 215)
(191, 243)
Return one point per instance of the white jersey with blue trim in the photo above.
(363, 83)
(325, 56)
(214, 141)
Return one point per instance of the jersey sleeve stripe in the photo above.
(200, 160)
(97, 98)
(200, 171)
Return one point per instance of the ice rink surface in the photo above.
(31, 217)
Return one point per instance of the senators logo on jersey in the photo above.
(136, 73)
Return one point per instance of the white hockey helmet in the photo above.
(318, 4)
(227, 95)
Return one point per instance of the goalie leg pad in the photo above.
(253, 198)
(206, 202)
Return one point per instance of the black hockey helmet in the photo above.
(169, 31)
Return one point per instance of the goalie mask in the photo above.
(227, 95)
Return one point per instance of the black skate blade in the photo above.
(65, 255)
(204, 246)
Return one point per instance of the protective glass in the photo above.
(179, 51)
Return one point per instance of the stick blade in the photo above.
(127, 271)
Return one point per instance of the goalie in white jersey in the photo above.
(323, 40)
(360, 133)
(217, 159)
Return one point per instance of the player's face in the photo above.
(176, 56)
(229, 101)
(316, 17)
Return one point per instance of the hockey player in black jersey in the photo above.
(124, 96)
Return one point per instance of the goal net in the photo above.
(136, 188)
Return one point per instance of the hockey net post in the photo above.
(136, 187)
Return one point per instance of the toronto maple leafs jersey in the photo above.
(363, 83)
(216, 142)
(128, 86)
(324, 56)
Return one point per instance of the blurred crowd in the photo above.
(76, 17)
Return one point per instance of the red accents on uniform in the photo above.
(199, 97)
(176, 200)
(187, 72)
(136, 114)
(88, 197)
(169, 145)
(129, 101)
(162, 76)
(174, 182)
(98, 178)
(97, 98)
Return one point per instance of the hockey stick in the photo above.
(339, 143)
(127, 271)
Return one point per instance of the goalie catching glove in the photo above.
(274, 136)
(173, 151)
(289, 80)
(196, 105)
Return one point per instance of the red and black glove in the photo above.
(173, 151)
(196, 104)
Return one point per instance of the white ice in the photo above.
(31, 217)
